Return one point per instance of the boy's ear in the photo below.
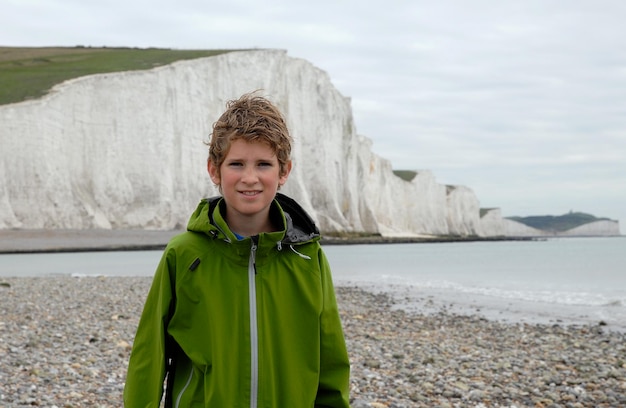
(213, 172)
(285, 175)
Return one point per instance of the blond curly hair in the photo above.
(254, 119)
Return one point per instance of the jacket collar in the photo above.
(298, 226)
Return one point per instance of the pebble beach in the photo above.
(65, 342)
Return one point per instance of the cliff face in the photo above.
(126, 150)
(517, 229)
(603, 228)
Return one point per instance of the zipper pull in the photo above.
(253, 249)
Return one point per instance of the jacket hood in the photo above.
(297, 226)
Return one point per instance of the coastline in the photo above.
(15, 241)
(67, 240)
(422, 300)
(429, 302)
(66, 341)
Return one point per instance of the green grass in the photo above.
(28, 73)
(406, 175)
(558, 223)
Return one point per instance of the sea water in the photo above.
(574, 280)
(569, 280)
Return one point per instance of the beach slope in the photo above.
(65, 341)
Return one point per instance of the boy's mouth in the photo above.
(250, 193)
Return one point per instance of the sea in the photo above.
(548, 281)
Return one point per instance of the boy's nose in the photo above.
(249, 175)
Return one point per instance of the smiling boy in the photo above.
(249, 178)
(242, 309)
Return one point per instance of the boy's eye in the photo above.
(265, 164)
(234, 164)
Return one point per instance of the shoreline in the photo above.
(431, 301)
(408, 298)
(91, 240)
(17, 241)
(66, 341)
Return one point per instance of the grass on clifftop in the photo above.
(29, 73)
(558, 223)
(406, 175)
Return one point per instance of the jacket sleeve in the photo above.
(146, 367)
(334, 383)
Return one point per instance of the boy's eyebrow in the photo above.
(271, 158)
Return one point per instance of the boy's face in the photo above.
(249, 178)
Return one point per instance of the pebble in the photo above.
(65, 342)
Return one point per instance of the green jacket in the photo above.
(248, 323)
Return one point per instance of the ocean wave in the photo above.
(558, 297)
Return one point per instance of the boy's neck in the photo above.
(250, 226)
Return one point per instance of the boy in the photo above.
(242, 309)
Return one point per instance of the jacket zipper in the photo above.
(254, 335)
(180, 395)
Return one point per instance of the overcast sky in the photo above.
(524, 101)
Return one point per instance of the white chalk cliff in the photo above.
(601, 227)
(125, 150)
